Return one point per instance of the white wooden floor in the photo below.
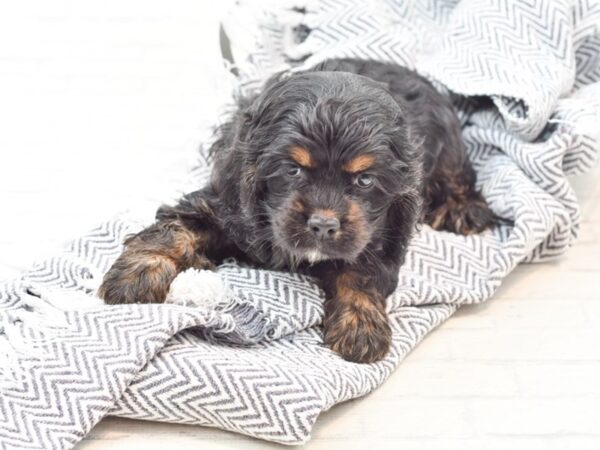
(521, 371)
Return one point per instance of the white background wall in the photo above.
(101, 103)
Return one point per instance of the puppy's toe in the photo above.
(465, 216)
(360, 335)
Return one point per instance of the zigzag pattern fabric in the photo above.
(525, 77)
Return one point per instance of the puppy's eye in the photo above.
(364, 180)
(294, 171)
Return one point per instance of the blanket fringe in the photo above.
(26, 329)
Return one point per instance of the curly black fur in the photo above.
(366, 148)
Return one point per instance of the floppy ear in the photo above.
(405, 210)
(249, 183)
(253, 136)
(249, 189)
(408, 166)
(402, 218)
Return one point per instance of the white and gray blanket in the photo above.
(525, 77)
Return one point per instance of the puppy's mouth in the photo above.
(312, 251)
(314, 254)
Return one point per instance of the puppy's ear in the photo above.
(249, 190)
(408, 166)
(249, 183)
(401, 223)
(246, 119)
(405, 210)
(253, 136)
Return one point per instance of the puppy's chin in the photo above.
(314, 256)
(319, 253)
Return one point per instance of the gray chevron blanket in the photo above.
(525, 77)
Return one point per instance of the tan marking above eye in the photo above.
(359, 163)
(302, 157)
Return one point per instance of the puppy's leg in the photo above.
(453, 203)
(356, 323)
(184, 236)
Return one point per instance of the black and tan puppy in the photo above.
(325, 172)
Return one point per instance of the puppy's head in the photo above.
(328, 155)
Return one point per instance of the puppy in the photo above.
(326, 172)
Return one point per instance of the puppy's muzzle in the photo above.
(323, 227)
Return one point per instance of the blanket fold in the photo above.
(525, 79)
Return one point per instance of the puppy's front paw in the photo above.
(138, 277)
(359, 334)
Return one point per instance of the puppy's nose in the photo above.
(323, 227)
